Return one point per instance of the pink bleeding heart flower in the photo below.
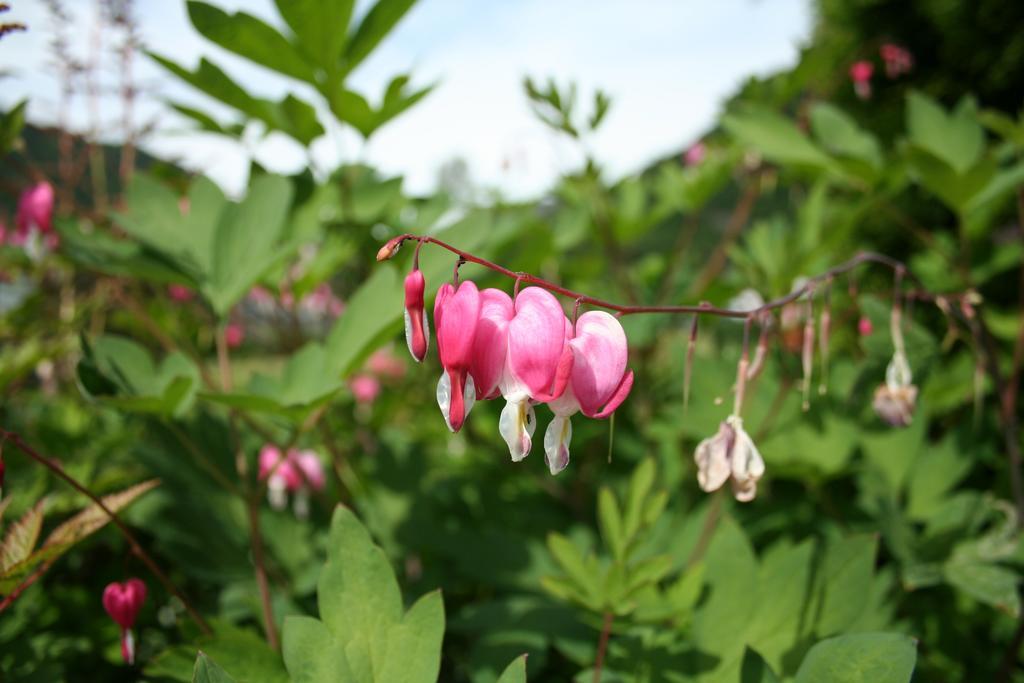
(898, 60)
(537, 366)
(123, 602)
(234, 335)
(599, 383)
(860, 74)
(417, 327)
(179, 292)
(365, 388)
(864, 326)
(281, 474)
(490, 345)
(35, 210)
(311, 468)
(456, 311)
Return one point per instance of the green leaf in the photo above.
(377, 23)
(571, 560)
(514, 672)
(207, 671)
(63, 537)
(291, 116)
(11, 123)
(988, 583)
(312, 654)
(320, 27)
(249, 37)
(860, 658)
(353, 109)
(21, 537)
(636, 500)
(414, 646)
(372, 311)
(776, 137)
(241, 651)
(955, 138)
(246, 243)
(755, 670)
(610, 522)
(837, 132)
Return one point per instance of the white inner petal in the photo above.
(517, 423)
(556, 443)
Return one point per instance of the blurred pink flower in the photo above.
(860, 74)
(864, 326)
(35, 209)
(696, 154)
(311, 468)
(385, 364)
(898, 60)
(234, 334)
(365, 388)
(180, 292)
(122, 601)
(261, 295)
(322, 301)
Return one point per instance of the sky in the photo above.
(667, 64)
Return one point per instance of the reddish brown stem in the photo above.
(24, 585)
(256, 538)
(136, 547)
(391, 248)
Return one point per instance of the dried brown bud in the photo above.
(390, 248)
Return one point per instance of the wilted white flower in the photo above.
(894, 401)
(730, 453)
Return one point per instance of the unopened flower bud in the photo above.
(417, 327)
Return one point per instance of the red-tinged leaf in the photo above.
(21, 537)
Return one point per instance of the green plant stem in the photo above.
(136, 547)
(707, 531)
(602, 645)
(720, 256)
(256, 539)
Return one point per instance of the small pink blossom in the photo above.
(864, 326)
(35, 209)
(385, 364)
(261, 295)
(311, 468)
(898, 60)
(861, 73)
(365, 388)
(122, 601)
(456, 310)
(322, 301)
(180, 292)
(695, 154)
(234, 335)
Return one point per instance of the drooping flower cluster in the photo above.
(297, 473)
(123, 602)
(525, 350)
(894, 401)
(898, 60)
(861, 73)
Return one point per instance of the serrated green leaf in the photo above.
(414, 647)
(636, 500)
(20, 538)
(312, 654)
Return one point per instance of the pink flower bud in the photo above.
(35, 210)
(898, 60)
(311, 468)
(417, 327)
(695, 154)
(864, 326)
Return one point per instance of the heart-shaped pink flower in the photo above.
(456, 311)
(124, 600)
